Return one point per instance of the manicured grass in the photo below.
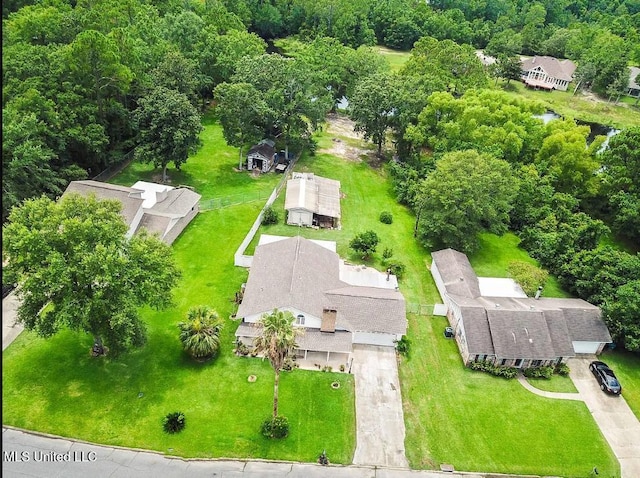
(212, 171)
(495, 254)
(626, 366)
(54, 385)
(366, 193)
(478, 422)
(579, 106)
(556, 383)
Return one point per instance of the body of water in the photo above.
(596, 129)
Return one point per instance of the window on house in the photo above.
(300, 319)
(518, 363)
(536, 363)
(503, 362)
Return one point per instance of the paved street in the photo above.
(26, 455)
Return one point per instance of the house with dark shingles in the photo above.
(547, 72)
(312, 201)
(160, 209)
(338, 305)
(262, 156)
(515, 331)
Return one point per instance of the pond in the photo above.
(597, 129)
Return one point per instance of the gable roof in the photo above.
(130, 198)
(456, 272)
(155, 207)
(562, 69)
(264, 148)
(297, 273)
(313, 193)
(495, 325)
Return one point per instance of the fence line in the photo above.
(114, 169)
(233, 200)
(419, 309)
(239, 258)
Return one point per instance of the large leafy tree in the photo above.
(277, 340)
(169, 126)
(242, 111)
(296, 102)
(467, 193)
(372, 107)
(456, 66)
(76, 269)
(200, 333)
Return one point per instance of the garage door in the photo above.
(586, 347)
(373, 339)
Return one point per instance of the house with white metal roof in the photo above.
(313, 201)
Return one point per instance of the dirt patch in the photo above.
(341, 130)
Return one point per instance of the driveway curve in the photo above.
(619, 426)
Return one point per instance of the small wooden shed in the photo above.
(262, 156)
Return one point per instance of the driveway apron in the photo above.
(617, 422)
(379, 418)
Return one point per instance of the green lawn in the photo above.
(478, 422)
(626, 366)
(54, 386)
(212, 171)
(496, 252)
(472, 420)
(579, 106)
(556, 383)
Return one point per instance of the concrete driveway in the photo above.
(379, 418)
(10, 330)
(617, 422)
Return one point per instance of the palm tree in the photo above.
(276, 342)
(200, 334)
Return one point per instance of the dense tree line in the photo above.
(88, 84)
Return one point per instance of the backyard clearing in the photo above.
(345, 142)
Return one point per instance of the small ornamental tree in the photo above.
(528, 276)
(365, 243)
(200, 334)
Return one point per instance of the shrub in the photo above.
(562, 369)
(173, 422)
(365, 243)
(342, 368)
(386, 217)
(528, 276)
(200, 334)
(275, 427)
(397, 269)
(387, 254)
(270, 216)
(403, 346)
(497, 370)
(538, 372)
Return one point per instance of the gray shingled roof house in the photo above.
(516, 331)
(307, 279)
(312, 201)
(547, 72)
(160, 209)
(262, 156)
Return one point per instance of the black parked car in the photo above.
(606, 378)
